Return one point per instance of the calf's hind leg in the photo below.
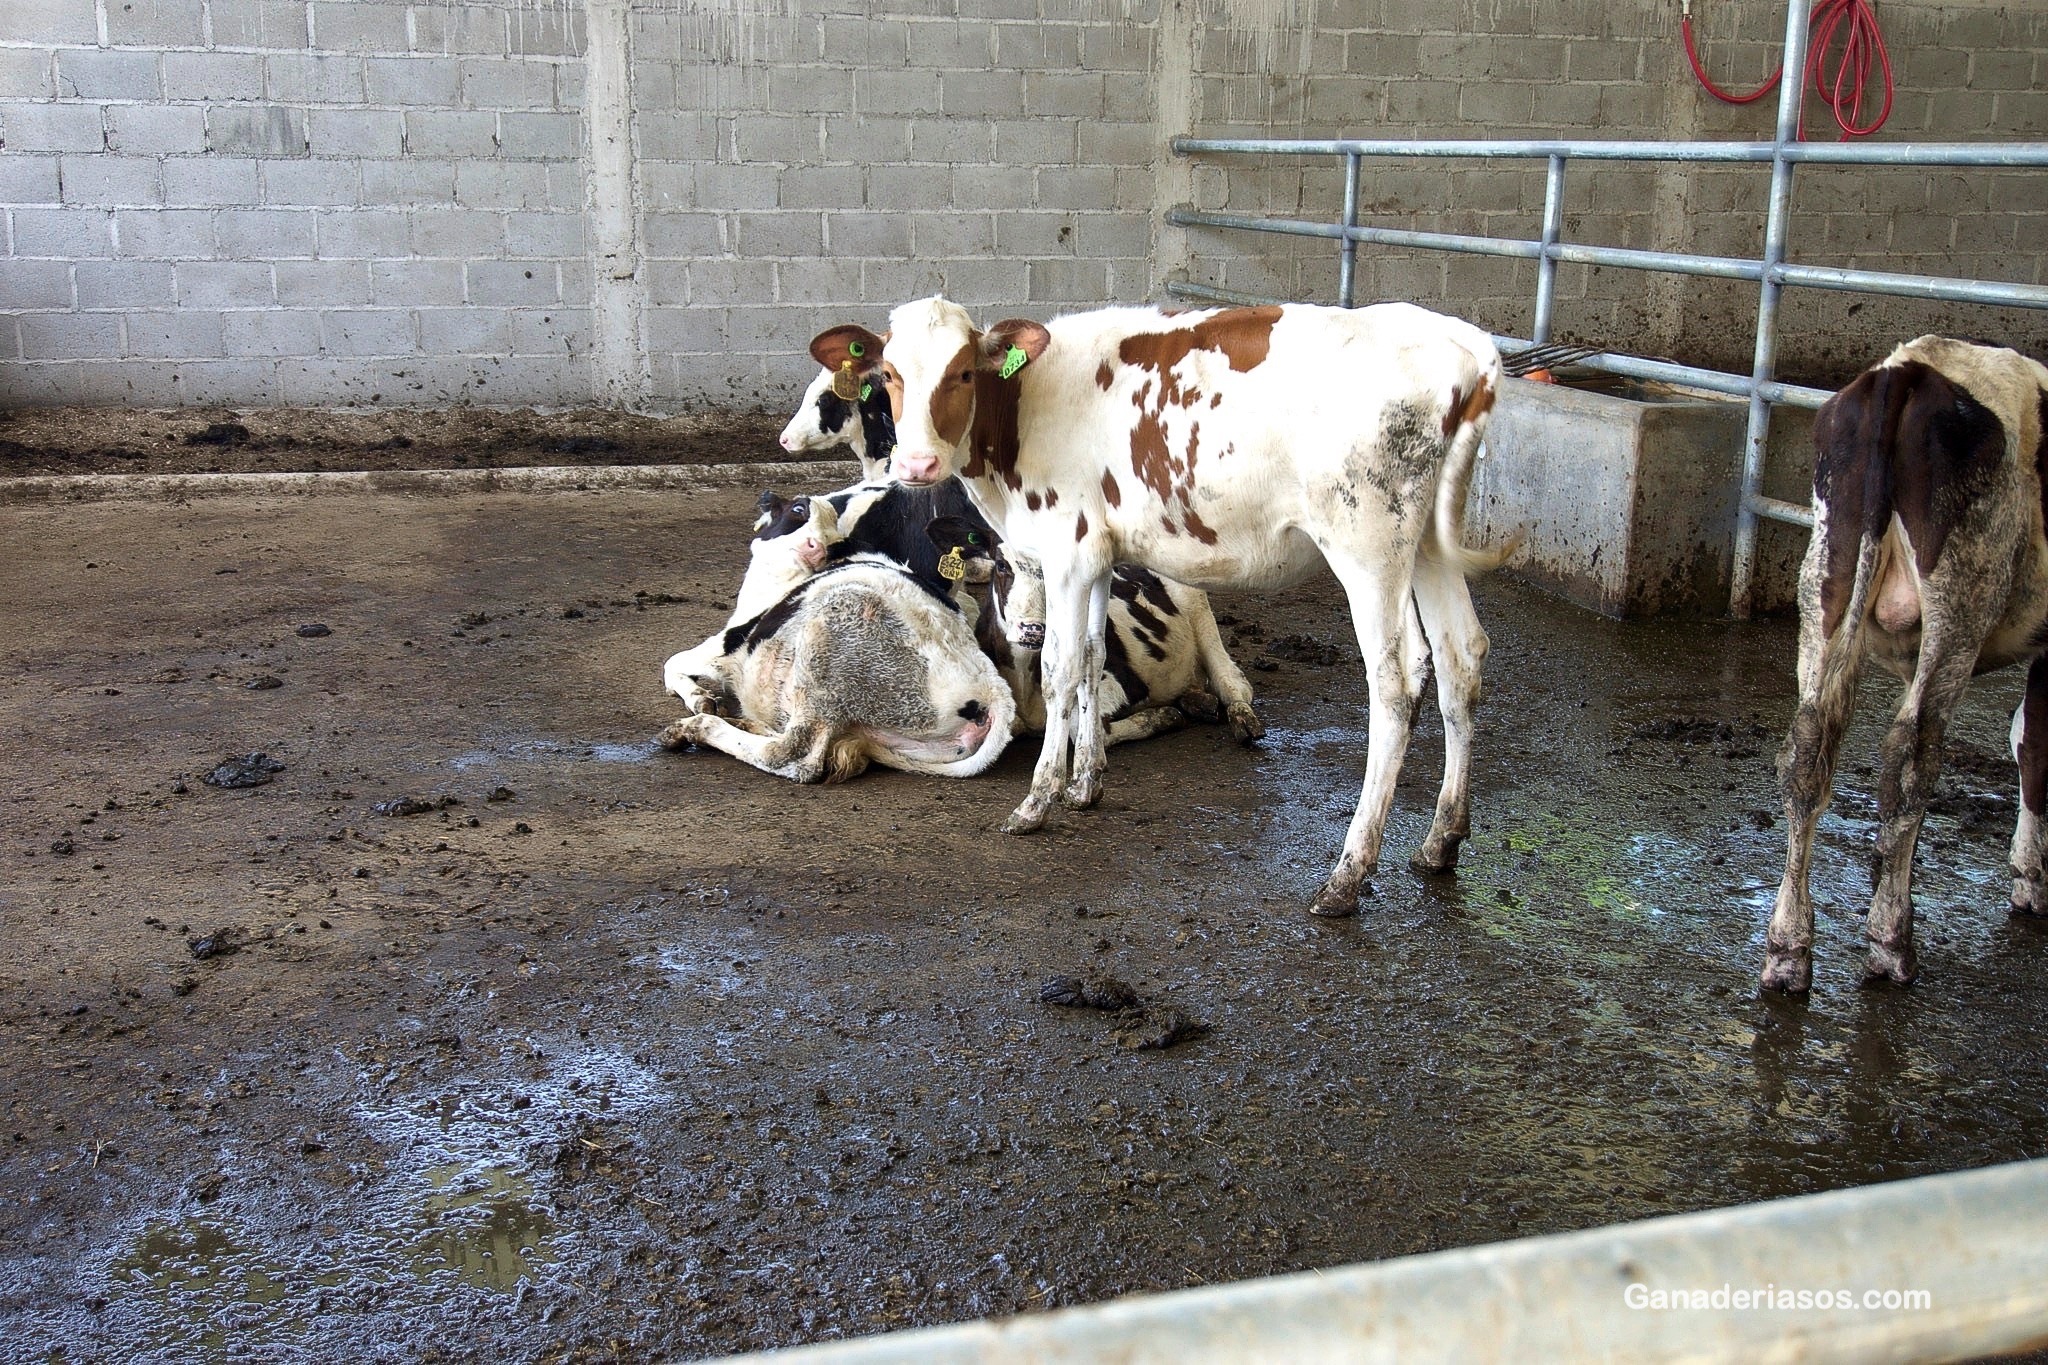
(799, 753)
(1457, 644)
(2030, 836)
(1911, 760)
(1828, 671)
(1391, 644)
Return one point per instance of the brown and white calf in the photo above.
(1161, 643)
(1928, 556)
(1230, 448)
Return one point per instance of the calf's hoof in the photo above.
(1028, 818)
(1887, 963)
(1438, 854)
(1245, 724)
(2029, 899)
(678, 735)
(1083, 792)
(1332, 902)
(1789, 970)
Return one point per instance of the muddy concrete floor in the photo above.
(618, 1053)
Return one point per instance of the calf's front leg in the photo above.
(1063, 663)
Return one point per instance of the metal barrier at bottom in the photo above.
(1941, 1268)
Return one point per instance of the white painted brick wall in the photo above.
(391, 200)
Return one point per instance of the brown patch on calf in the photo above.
(1900, 440)
(1104, 376)
(953, 396)
(1197, 528)
(992, 444)
(1081, 528)
(1244, 336)
(1114, 495)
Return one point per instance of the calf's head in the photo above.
(936, 368)
(1016, 583)
(823, 419)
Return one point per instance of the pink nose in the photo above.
(974, 732)
(789, 443)
(916, 470)
(811, 554)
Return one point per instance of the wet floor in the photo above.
(621, 1053)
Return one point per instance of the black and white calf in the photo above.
(1928, 555)
(1165, 661)
(825, 421)
(859, 663)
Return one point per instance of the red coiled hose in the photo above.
(1862, 46)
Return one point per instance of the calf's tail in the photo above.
(1465, 417)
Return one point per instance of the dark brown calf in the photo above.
(1927, 555)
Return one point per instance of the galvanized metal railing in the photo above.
(1946, 1267)
(1772, 272)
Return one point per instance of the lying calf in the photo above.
(774, 566)
(1165, 660)
(860, 663)
(824, 420)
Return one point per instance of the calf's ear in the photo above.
(848, 342)
(954, 533)
(1014, 343)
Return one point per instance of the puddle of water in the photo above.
(543, 750)
(487, 1231)
(200, 1287)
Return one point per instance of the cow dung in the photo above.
(250, 770)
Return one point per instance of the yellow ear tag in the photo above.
(845, 383)
(952, 567)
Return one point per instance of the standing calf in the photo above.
(1233, 448)
(1928, 555)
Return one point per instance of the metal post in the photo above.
(1347, 254)
(1546, 264)
(1791, 92)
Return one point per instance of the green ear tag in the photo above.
(856, 349)
(1013, 362)
(867, 391)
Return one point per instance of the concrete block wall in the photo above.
(658, 202)
(803, 168)
(283, 201)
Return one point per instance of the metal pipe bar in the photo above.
(1996, 292)
(1777, 227)
(1553, 233)
(1347, 254)
(1610, 362)
(2009, 154)
(1777, 509)
(1970, 1242)
(1914, 286)
(1295, 227)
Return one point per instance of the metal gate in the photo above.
(1771, 272)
